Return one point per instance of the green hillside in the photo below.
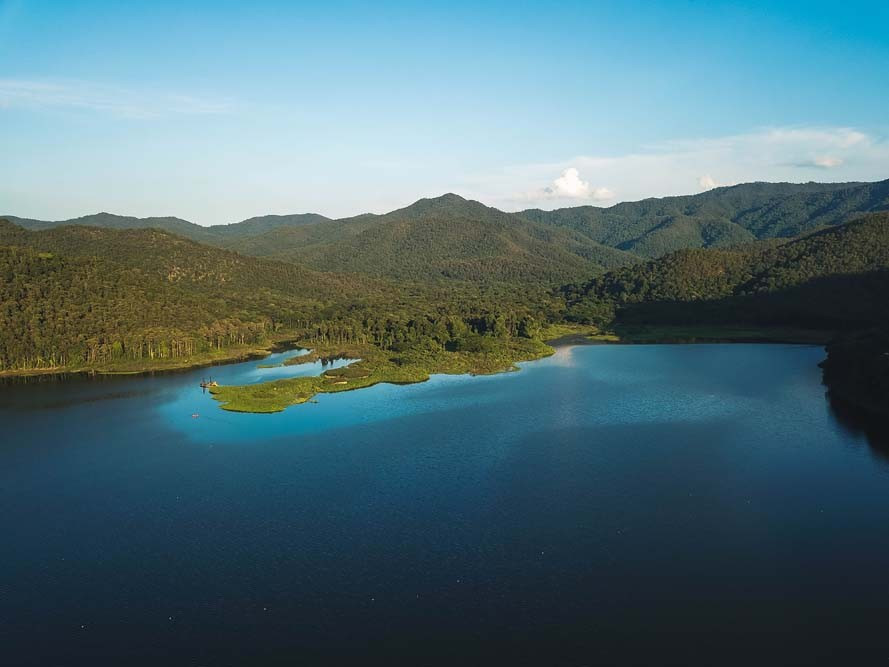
(177, 260)
(82, 296)
(264, 223)
(720, 217)
(439, 239)
(134, 299)
(450, 238)
(836, 278)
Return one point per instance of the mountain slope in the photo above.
(75, 296)
(174, 259)
(834, 278)
(264, 223)
(720, 217)
(78, 297)
(138, 299)
(446, 237)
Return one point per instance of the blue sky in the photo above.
(216, 111)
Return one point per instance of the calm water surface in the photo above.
(609, 505)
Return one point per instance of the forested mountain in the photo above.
(443, 238)
(721, 217)
(836, 278)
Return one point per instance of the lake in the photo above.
(610, 504)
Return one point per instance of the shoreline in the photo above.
(685, 335)
(558, 336)
(236, 355)
(376, 366)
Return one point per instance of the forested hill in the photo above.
(92, 298)
(85, 297)
(836, 278)
(176, 260)
(443, 238)
(721, 217)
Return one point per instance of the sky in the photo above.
(218, 111)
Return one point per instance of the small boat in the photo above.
(195, 415)
(211, 383)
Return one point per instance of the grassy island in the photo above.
(375, 365)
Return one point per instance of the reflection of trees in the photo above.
(861, 423)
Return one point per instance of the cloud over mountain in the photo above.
(779, 154)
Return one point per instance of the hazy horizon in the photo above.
(413, 201)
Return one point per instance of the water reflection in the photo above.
(67, 390)
(861, 424)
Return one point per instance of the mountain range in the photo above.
(452, 238)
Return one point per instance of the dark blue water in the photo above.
(609, 505)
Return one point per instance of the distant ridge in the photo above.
(112, 221)
(450, 237)
(720, 217)
(249, 227)
(266, 223)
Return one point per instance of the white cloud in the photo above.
(706, 182)
(676, 167)
(571, 186)
(102, 98)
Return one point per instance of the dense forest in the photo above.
(720, 217)
(833, 279)
(446, 238)
(79, 297)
